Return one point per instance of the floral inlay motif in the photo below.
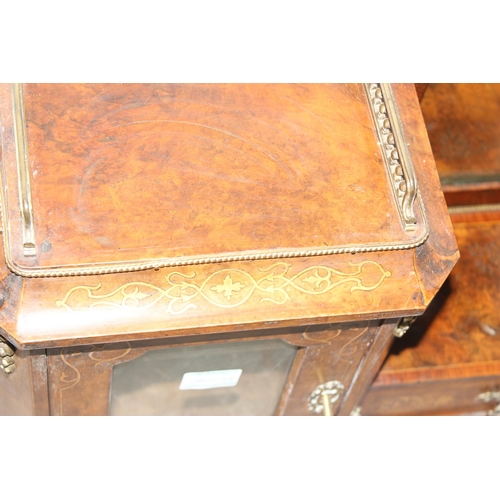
(228, 288)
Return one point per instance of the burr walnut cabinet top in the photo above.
(135, 211)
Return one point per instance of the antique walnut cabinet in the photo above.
(211, 249)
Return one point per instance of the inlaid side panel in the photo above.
(336, 359)
(79, 378)
(373, 359)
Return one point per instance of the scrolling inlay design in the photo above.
(227, 288)
(72, 380)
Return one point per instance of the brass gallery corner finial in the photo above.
(7, 361)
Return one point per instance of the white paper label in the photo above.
(209, 380)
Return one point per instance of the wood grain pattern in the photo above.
(421, 88)
(24, 392)
(396, 295)
(368, 367)
(434, 260)
(452, 352)
(464, 125)
(338, 360)
(176, 165)
(462, 325)
(472, 193)
(172, 172)
(437, 397)
(457, 338)
(415, 275)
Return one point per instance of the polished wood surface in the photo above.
(167, 172)
(463, 121)
(459, 396)
(464, 126)
(149, 173)
(230, 296)
(80, 378)
(457, 339)
(25, 391)
(480, 193)
(452, 353)
(373, 360)
(421, 88)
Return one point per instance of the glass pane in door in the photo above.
(236, 378)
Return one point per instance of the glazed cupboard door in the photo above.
(310, 370)
(238, 378)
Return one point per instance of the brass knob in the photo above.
(323, 397)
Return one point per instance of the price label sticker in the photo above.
(209, 380)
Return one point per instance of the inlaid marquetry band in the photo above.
(23, 175)
(227, 288)
(394, 147)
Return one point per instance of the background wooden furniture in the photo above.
(449, 362)
(274, 233)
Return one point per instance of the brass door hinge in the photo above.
(404, 326)
(7, 361)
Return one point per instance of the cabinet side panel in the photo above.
(78, 383)
(369, 366)
(40, 383)
(20, 393)
(336, 361)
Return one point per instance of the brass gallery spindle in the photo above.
(26, 202)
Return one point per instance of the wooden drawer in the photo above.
(445, 397)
